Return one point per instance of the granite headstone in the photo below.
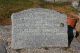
(75, 4)
(53, 1)
(39, 27)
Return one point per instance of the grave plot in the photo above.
(38, 27)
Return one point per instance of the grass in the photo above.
(7, 7)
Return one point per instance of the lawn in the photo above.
(7, 7)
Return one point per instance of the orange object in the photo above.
(71, 21)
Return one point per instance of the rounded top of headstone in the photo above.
(40, 12)
(38, 27)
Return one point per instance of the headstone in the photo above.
(75, 4)
(56, 1)
(2, 49)
(38, 27)
(2, 46)
(50, 1)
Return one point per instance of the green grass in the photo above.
(7, 7)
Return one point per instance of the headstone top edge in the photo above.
(33, 9)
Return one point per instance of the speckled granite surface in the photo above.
(38, 27)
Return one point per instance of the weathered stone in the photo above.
(57, 1)
(75, 4)
(2, 47)
(38, 27)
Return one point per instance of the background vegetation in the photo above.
(7, 7)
